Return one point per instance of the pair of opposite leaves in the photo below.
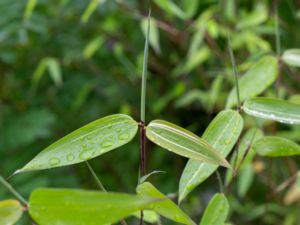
(88, 207)
(108, 133)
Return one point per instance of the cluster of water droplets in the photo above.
(97, 142)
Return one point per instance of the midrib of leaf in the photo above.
(214, 145)
(266, 112)
(209, 160)
(191, 137)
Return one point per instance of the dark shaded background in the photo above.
(190, 77)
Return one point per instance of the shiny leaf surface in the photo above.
(89, 141)
(273, 109)
(276, 147)
(183, 142)
(75, 207)
(165, 208)
(292, 57)
(257, 79)
(216, 211)
(10, 212)
(222, 133)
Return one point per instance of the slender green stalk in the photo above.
(143, 106)
(278, 46)
(13, 191)
(144, 75)
(233, 64)
(102, 188)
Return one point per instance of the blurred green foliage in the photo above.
(65, 63)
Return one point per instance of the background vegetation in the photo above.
(65, 63)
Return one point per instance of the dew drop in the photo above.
(107, 144)
(109, 126)
(54, 161)
(70, 157)
(123, 136)
(84, 145)
(118, 130)
(86, 155)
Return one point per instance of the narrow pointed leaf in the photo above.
(75, 207)
(183, 142)
(257, 79)
(54, 70)
(89, 141)
(165, 208)
(170, 7)
(216, 211)
(91, 8)
(10, 212)
(154, 34)
(292, 57)
(29, 8)
(273, 109)
(276, 147)
(222, 133)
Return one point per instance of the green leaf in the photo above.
(153, 35)
(92, 47)
(90, 10)
(276, 147)
(292, 57)
(148, 216)
(144, 178)
(245, 179)
(10, 212)
(75, 207)
(89, 141)
(216, 211)
(183, 142)
(255, 17)
(258, 78)
(273, 109)
(54, 70)
(190, 7)
(29, 8)
(222, 133)
(166, 208)
(170, 7)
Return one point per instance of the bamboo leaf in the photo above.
(222, 133)
(91, 8)
(10, 212)
(183, 142)
(292, 57)
(148, 216)
(29, 8)
(165, 208)
(276, 147)
(54, 70)
(89, 141)
(153, 35)
(257, 79)
(92, 47)
(273, 109)
(75, 207)
(170, 7)
(216, 211)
